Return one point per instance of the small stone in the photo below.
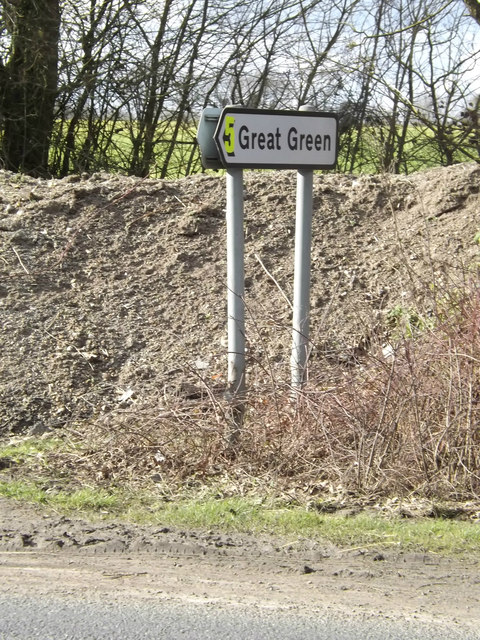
(306, 569)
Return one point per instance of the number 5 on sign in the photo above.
(229, 135)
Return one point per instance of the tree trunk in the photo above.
(474, 8)
(30, 84)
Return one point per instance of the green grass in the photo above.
(421, 150)
(114, 151)
(31, 480)
(115, 147)
(87, 500)
(255, 516)
(20, 450)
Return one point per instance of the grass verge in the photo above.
(255, 516)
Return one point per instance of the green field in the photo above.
(121, 147)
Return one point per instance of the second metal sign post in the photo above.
(301, 277)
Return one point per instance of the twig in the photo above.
(182, 203)
(369, 546)
(274, 281)
(144, 215)
(20, 261)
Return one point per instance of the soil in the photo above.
(113, 289)
(113, 297)
(44, 553)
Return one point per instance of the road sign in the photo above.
(259, 138)
(237, 139)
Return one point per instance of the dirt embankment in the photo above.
(112, 289)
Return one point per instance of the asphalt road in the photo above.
(46, 618)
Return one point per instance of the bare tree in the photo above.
(123, 82)
(92, 67)
(414, 63)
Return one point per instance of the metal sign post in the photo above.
(235, 299)
(301, 280)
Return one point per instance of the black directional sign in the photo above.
(258, 138)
